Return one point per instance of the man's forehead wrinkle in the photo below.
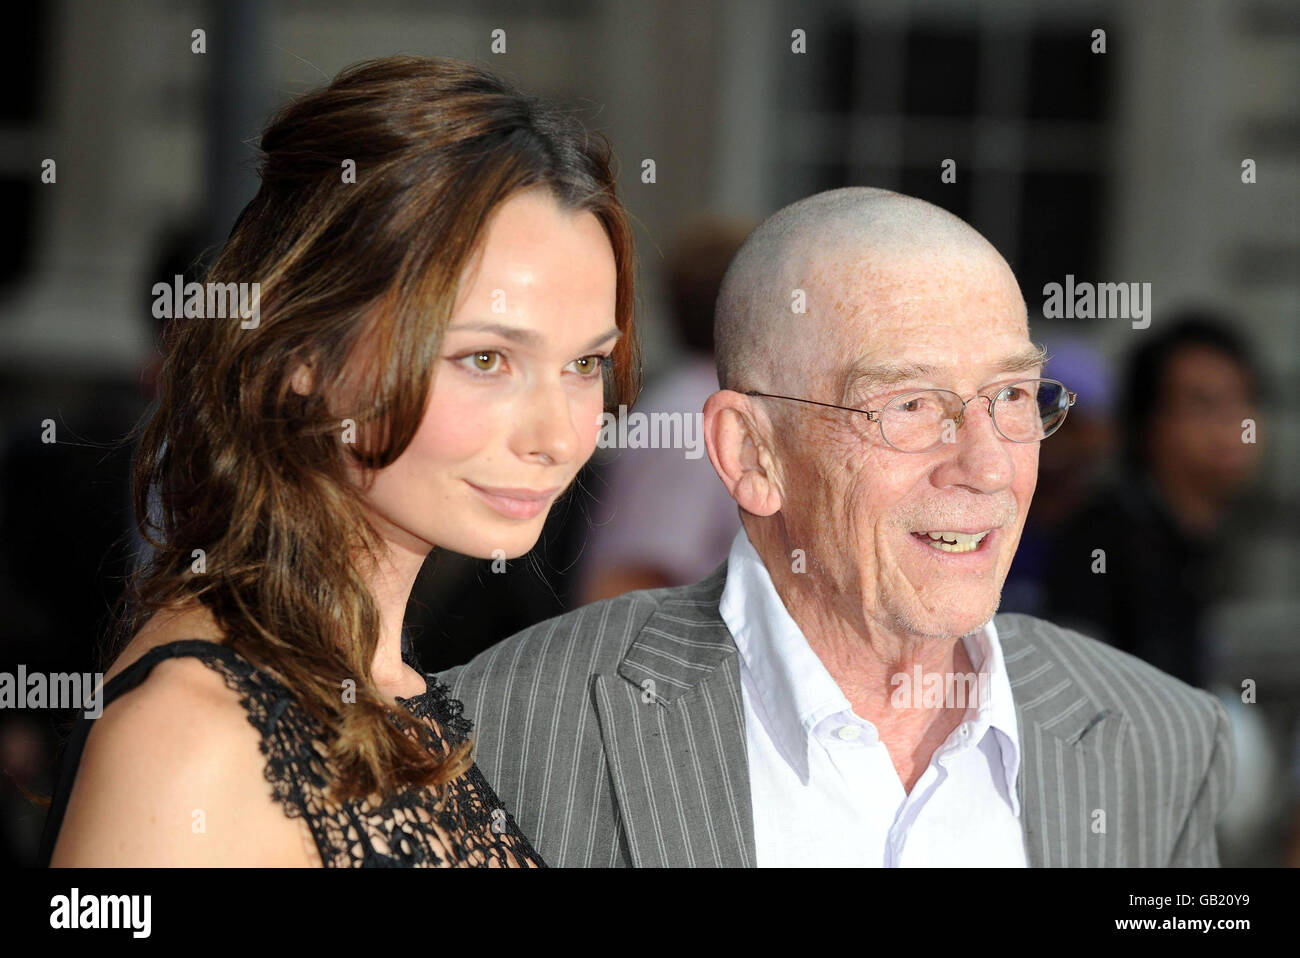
(856, 278)
(876, 369)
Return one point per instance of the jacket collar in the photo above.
(682, 642)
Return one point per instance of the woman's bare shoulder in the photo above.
(190, 621)
(172, 772)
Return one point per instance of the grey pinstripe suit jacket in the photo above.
(1121, 764)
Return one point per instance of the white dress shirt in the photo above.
(823, 788)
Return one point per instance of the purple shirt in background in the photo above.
(657, 507)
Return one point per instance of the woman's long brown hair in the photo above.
(358, 281)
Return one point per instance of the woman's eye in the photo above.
(483, 361)
(590, 366)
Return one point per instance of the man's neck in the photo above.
(868, 661)
(863, 656)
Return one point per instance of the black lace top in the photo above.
(471, 828)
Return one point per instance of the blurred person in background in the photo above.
(1161, 520)
(662, 518)
(24, 750)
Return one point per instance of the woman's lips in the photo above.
(515, 503)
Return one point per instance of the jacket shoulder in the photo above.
(1152, 700)
(593, 638)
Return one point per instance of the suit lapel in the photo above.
(672, 722)
(1066, 744)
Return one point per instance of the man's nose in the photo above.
(982, 456)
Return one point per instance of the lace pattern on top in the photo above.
(469, 828)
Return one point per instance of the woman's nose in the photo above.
(547, 430)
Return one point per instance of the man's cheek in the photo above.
(1027, 473)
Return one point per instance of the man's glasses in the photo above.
(1027, 411)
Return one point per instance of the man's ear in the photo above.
(740, 453)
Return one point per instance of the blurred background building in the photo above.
(1117, 166)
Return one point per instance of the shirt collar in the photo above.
(793, 692)
(998, 711)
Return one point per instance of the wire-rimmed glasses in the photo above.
(920, 421)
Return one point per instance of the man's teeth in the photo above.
(955, 541)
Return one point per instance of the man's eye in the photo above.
(1013, 394)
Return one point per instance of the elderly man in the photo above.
(840, 691)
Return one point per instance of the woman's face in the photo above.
(517, 394)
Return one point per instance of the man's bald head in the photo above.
(844, 249)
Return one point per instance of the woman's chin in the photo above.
(518, 542)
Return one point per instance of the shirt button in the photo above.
(964, 730)
(848, 732)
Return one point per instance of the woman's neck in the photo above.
(390, 583)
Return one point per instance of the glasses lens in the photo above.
(1023, 412)
(1030, 411)
(917, 422)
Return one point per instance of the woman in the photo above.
(445, 310)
